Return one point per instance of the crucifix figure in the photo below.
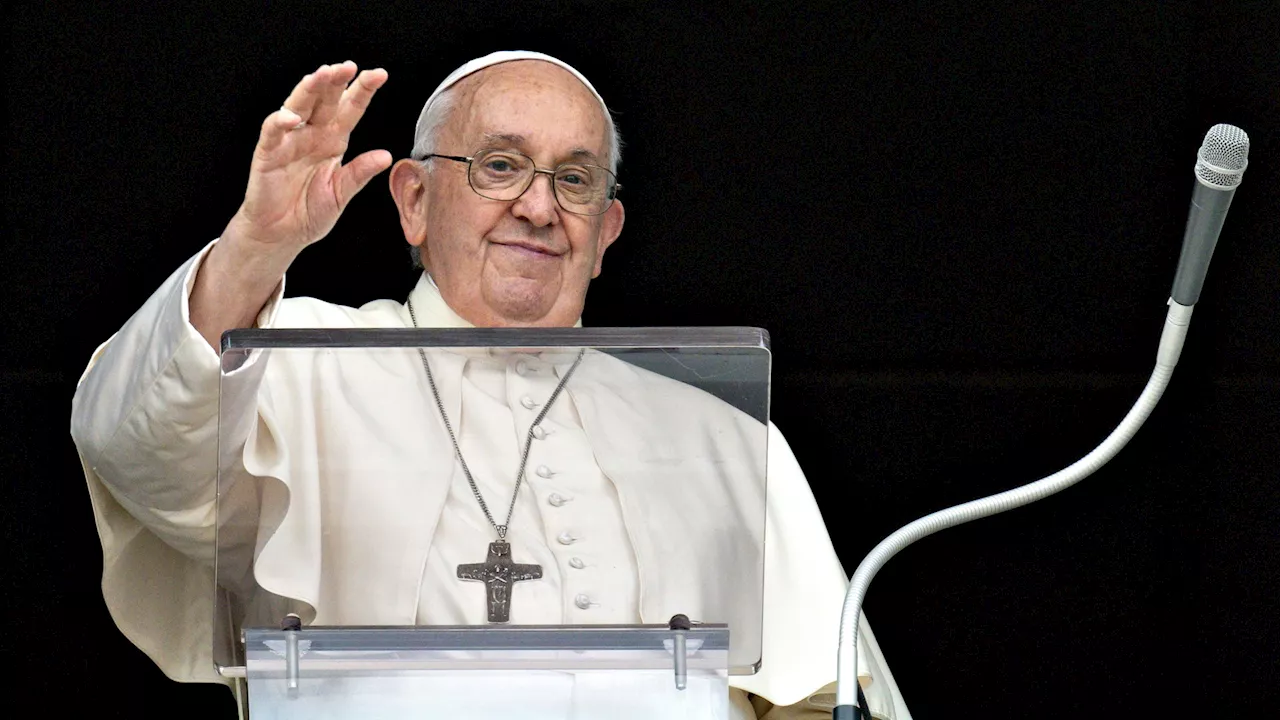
(498, 573)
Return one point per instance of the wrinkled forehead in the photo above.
(529, 105)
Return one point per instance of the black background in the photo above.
(959, 221)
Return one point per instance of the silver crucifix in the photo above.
(498, 573)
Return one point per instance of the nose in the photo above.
(538, 204)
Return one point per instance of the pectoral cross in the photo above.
(498, 573)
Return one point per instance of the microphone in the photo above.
(1220, 165)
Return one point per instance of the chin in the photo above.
(521, 301)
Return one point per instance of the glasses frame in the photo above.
(611, 194)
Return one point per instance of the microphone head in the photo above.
(1223, 157)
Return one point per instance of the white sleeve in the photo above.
(145, 414)
(804, 588)
(145, 423)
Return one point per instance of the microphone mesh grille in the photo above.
(1223, 157)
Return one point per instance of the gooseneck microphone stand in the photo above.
(1220, 165)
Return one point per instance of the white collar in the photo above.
(431, 309)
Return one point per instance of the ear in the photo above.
(409, 180)
(610, 228)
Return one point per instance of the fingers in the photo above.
(333, 81)
(323, 86)
(275, 127)
(302, 101)
(355, 99)
(329, 101)
(324, 95)
(353, 176)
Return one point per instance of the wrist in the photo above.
(250, 259)
(235, 281)
(241, 271)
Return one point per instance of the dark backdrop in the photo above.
(959, 222)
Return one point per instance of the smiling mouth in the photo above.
(530, 249)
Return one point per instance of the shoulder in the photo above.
(308, 312)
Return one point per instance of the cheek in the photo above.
(459, 229)
(583, 239)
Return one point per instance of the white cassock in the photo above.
(352, 511)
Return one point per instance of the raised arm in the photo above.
(145, 415)
(298, 187)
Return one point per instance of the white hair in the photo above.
(426, 137)
(426, 141)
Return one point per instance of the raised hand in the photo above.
(298, 186)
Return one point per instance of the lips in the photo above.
(530, 247)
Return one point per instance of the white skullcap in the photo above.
(497, 58)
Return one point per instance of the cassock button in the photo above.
(545, 472)
(528, 403)
(539, 433)
(556, 500)
(565, 538)
(576, 563)
(582, 601)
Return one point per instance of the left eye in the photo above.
(575, 176)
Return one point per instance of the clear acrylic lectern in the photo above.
(491, 523)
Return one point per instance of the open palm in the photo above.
(298, 185)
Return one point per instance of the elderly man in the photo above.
(500, 248)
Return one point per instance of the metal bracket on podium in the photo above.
(680, 626)
(291, 626)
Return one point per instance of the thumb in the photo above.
(353, 176)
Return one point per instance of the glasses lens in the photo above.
(585, 189)
(500, 175)
(506, 175)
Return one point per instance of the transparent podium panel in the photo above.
(563, 673)
(409, 481)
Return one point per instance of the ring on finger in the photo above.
(301, 123)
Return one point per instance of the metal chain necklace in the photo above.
(498, 571)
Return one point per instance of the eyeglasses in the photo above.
(506, 175)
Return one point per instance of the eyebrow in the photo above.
(511, 140)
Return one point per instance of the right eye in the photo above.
(498, 170)
(498, 166)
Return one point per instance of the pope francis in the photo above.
(400, 538)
